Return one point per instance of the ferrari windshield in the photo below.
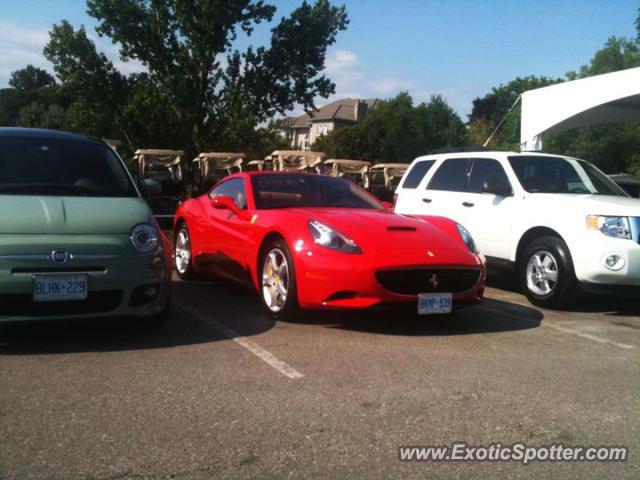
(55, 167)
(283, 190)
(538, 174)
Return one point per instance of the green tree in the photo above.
(31, 78)
(488, 111)
(208, 90)
(613, 147)
(397, 131)
(618, 53)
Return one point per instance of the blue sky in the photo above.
(456, 48)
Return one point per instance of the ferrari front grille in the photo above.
(428, 280)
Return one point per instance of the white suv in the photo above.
(561, 223)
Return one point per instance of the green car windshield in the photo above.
(54, 167)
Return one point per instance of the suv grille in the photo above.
(22, 305)
(428, 280)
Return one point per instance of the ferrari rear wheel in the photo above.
(278, 281)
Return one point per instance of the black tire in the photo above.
(290, 309)
(539, 260)
(185, 272)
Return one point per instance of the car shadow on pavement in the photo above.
(587, 303)
(119, 334)
(491, 317)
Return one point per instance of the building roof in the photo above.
(344, 109)
(285, 122)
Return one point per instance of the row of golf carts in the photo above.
(165, 167)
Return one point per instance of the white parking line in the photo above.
(264, 355)
(588, 336)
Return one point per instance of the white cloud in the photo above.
(353, 79)
(390, 85)
(28, 37)
(20, 46)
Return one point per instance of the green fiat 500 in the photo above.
(76, 238)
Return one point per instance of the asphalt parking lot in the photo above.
(224, 392)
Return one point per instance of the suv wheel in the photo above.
(546, 273)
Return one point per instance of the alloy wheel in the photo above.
(542, 273)
(275, 280)
(183, 251)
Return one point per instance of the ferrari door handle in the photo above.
(426, 200)
(467, 204)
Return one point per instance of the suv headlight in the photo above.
(617, 227)
(144, 238)
(329, 238)
(467, 239)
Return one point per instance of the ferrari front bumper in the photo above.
(332, 280)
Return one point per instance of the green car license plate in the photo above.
(56, 288)
(432, 303)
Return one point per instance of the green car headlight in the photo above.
(144, 238)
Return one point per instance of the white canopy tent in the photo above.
(608, 98)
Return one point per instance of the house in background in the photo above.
(305, 129)
(283, 127)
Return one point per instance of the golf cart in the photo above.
(355, 170)
(384, 179)
(254, 166)
(293, 161)
(210, 168)
(163, 166)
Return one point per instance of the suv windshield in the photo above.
(538, 174)
(299, 190)
(44, 166)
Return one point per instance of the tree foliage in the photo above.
(188, 49)
(198, 89)
(31, 78)
(397, 131)
(613, 147)
(488, 111)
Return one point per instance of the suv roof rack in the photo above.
(469, 148)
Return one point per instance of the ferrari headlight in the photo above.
(144, 238)
(467, 238)
(329, 238)
(616, 227)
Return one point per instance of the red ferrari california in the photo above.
(307, 241)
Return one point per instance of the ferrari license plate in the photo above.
(431, 303)
(57, 288)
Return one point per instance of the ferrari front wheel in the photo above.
(278, 282)
(182, 253)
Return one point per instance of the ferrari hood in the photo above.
(375, 230)
(23, 214)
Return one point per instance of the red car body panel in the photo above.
(227, 245)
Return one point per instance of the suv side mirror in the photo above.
(150, 187)
(496, 187)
